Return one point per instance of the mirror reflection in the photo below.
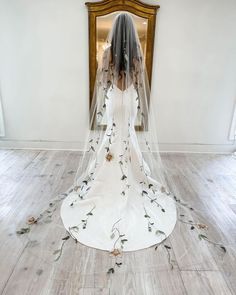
(104, 24)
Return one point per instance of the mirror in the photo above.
(101, 15)
(103, 25)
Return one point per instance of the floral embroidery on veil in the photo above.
(121, 199)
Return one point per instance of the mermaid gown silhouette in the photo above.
(121, 206)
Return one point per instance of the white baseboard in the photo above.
(78, 146)
(41, 144)
(198, 148)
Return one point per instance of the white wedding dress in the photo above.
(117, 211)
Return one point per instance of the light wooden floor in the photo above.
(30, 179)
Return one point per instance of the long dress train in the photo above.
(119, 206)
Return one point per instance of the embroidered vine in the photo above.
(118, 246)
(83, 223)
(146, 194)
(151, 224)
(201, 236)
(121, 163)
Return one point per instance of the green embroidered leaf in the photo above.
(110, 270)
(23, 230)
(223, 248)
(123, 241)
(202, 237)
(66, 238)
(160, 232)
(123, 177)
(167, 247)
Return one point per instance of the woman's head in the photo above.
(124, 44)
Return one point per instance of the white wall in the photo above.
(44, 73)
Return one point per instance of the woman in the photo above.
(120, 201)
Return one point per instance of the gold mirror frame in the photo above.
(105, 7)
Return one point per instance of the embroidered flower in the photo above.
(76, 188)
(115, 252)
(32, 220)
(109, 157)
(202, 226)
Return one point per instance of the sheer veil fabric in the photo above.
(120, 198)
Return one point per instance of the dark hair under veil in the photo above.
(124, 47)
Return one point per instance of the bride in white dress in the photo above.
(120, 200)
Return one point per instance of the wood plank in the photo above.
(4, 153)
(205, 282)
(147, 283)
(29, 180)
(31, 198)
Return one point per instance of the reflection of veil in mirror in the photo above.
(121, 198)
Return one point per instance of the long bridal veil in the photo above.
(122, 196)
(120, 180)
(122, 67)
